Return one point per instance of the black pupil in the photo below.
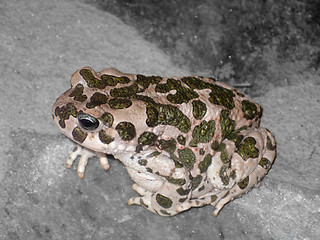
(88, 122)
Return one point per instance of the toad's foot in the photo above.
(84, 155)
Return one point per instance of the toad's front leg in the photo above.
(84, 155)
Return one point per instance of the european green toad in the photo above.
(185, 141)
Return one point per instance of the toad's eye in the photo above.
(87, 122)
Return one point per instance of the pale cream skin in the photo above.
(185, 142)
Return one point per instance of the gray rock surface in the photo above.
(42, 43)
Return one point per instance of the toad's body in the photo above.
(186, 142)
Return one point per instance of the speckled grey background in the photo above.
(41, 44)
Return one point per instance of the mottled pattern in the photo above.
(186, 142)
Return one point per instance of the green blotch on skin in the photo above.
(223, 175)
(199, 109)
(222, 96)
(147, 138)
(97, 99)
(265, 163)
(176, 181)
(125, 92)
(213, 198)
(219, 95)
(203, 133)
(79, 135)
(203, 166)
(145, 81)
(168, 145)
(149, 170)
(77, 93)
(119, 103)
(126, 131)
(107, 119)
(167, 115)
(201, 189)
(196, 181)
(112, 81)
(105, 138)
(244, 183)
(247, 149)
(182, 95)
(186, 157)
(181, 139)
(227, 124)
(65, 112)
(163, 201)
(249, 109)
(143, 162)
(183, 192)
(224, 157)
(106, 80)
(215, 145)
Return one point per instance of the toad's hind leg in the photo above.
(254, 178)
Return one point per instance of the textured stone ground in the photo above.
(42, 43)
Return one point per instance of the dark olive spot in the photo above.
(79, 135)
(107, 119)
(65, 112)
(179, 181)
(249, 109)
(215, 145)
(247, 149)
(77, 93)
(163, 201)
(119, 103)
(199, 109)
(97, 99)
(222, 96)
(143, 162)
(106, 80)
(213, 198)
(182, 94)
(187, 157)
(202, 133)
(181, 139)
(183, 192)
(145, 81)
(147, 138)
(167, 115)
(126, 131)
(244, 183)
